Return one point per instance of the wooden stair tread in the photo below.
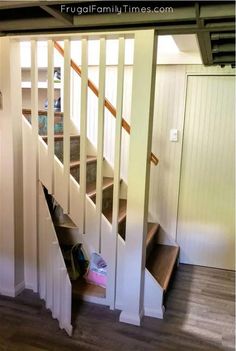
(81, 288)
(152, 229)
(122, 211)
(161, 263)
(67, 223)
(59, 137)
(90, 159)
(91, 187)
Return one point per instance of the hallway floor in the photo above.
(199, 316)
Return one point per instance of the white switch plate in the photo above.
(174, 135)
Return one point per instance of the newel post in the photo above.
(144, 69)
(11, 172)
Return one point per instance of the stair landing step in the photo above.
(161, 263)
(82, 289)
(90, 159)
(59, 137)
(91, 187)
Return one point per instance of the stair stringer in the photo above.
(153, 297)
(153, 292)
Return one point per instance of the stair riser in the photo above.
(74, 149)
(150, 246)
(91, 172)
(58, 124)
(107, 198)
(122, 228)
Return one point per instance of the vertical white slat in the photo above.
(49, 276)
(34, 150)
(65, 302)
(42, 251)
(83, 131)
(117, 160)
(139, 174)
(50, 126)
(34, 91)
(56, 280)
(100, 139)
(66, 140)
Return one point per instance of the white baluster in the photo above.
(100, 139)
(50, 125)
(117, 159)
(66, 140)
(83, 132)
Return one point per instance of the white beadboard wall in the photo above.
(169, 113)
(205, 230)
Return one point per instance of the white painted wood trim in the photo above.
(34, 90)
(66, 120)
(117, 159)
(83, 132)
(50, 126)
(139, 174)
(100, 139)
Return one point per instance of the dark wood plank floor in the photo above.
(199, 316)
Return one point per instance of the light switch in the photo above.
(174, 135)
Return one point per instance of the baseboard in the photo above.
(7, 292)
(19, 288)
(131, 318)
(31, 287)
(155, 313)
(13, 292)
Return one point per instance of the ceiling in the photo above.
(213, 22)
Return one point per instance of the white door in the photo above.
(205, 230)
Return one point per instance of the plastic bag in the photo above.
(97, 272)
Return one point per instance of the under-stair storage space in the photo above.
(77, 261)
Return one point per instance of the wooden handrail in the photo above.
(27, 111)
(107, 103)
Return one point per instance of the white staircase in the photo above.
(97, 230)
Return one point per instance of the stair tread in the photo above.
(161, 263)
(152, 229)
(90, 159)
(91, 187)
(122, 211)
(67, 223)
(81, 288)
(60, 136)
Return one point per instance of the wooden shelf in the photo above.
(82, 289)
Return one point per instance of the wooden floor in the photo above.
(199, 316)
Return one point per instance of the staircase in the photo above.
(88, 212)
(160, 259)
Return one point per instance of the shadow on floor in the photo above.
(199, 316)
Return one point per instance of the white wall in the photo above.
(169, 113)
